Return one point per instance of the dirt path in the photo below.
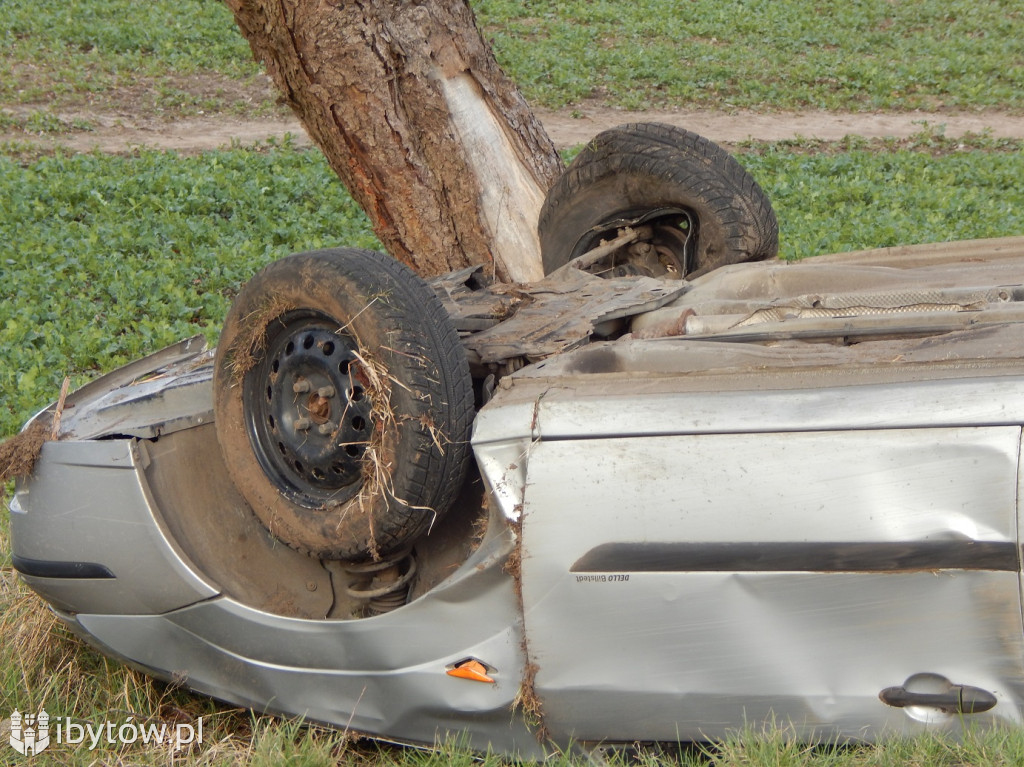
(120, 132)
(732, 127)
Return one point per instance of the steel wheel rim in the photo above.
(307, 409)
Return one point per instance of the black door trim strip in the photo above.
(881, 557)
(47, 568)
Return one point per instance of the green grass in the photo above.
(109, 257)
(72, 51)
(841, 200)
(771, 747)
(763, 54)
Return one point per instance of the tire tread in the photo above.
(653, 151)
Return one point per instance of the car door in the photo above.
(679, 586)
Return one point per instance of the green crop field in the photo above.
(104, 258)
(928, 54)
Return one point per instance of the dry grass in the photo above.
(18, 455)
(526, 699)
(379, 457)
(45, 666)
(250, 344)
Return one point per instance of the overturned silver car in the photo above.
(658, 496)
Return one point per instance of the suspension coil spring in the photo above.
(384, 585)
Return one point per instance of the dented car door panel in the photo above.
(713, 578)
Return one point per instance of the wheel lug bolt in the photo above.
(326, 391)
(301, 386)
(326, 428)
(301, 424)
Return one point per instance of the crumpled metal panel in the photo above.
(761, 396)
(944, 290)
(87, 502)
(693, 650)
(712, 364)
(383, 676)
(502, 439)
(550, 316)
(149, 397)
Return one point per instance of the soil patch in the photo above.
(122, 129)
(569, 127)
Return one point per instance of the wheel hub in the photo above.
(307, 409)
(665, 250)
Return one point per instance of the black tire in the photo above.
(667, 177)
(343, 403)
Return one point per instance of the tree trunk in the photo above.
(431, 138)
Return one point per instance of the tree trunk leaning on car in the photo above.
(415, 116)
(413, 113)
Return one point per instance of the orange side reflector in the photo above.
(473, 670)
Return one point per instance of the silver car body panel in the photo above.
(157, 610)
(383, 675)
(107, 521)
(701, 591)
(737, 519)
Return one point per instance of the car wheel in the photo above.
(694, 207)
(343, 403)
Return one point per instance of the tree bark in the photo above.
(415, 116)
